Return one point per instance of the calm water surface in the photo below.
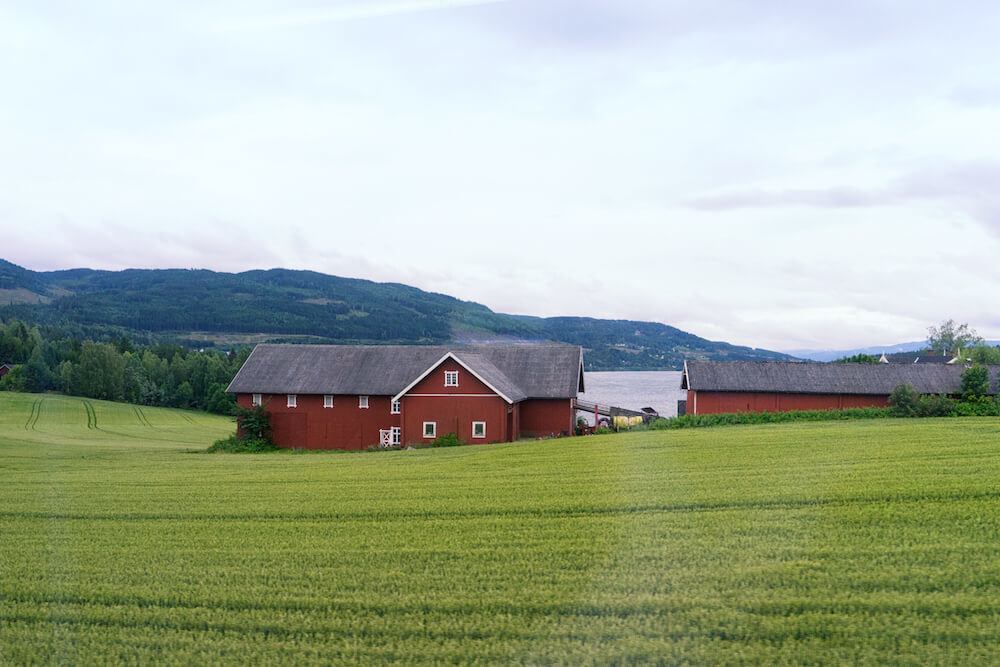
(635, 390)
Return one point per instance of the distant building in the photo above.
(5, 368)
(358, 396)
(918, 358)
(779, 386)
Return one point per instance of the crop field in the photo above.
(836, 542)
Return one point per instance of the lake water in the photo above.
(635, 390)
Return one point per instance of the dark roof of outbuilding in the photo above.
(813, 378)
(918, 358)
(518, 371)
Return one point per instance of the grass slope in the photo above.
(820, 542)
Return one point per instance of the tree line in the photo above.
(117, 370)
(958, 340)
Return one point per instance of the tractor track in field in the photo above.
(142, 416)
(91, 415)
(31, 415)
(36, 412)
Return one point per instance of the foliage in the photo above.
(950, 338)
(254, 423)
(118, 370)
(154, 306)
(858, 359)
(447, 440)
(983, 354)
(854, 542)
(933, 405)
(903, 401)
(237, 445)
(736, 418)
(975, 383)
(13, 380)
(981, 407)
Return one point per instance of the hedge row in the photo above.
(729, 419)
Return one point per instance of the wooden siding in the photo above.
(454, 409)
(311, 426)
(542, 417)
(346, 426)
(715, 402)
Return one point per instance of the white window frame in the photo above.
(397, 434)
(451, 378)
(327, 400)
(256, 400)
(474, 430)
(291, 400)
(362, 402)
(395, 408)
(434, 429)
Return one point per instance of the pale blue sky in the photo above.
(786, 175)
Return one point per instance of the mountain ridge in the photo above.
(200, 307)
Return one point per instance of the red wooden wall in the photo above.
(311, 426)
(454, 408)
(346, 426)
(542, 417)
(714, 402)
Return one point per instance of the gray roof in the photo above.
(518, 371)
(919, 358)
(813, 378)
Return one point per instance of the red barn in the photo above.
(779, 386)
(357, 396)
(4, 369)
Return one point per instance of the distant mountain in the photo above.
(205, 308)
(831, 355)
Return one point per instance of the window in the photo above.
(396, 408)
(397, 433)
(328, 401)
(430, 429)
(451, 378)
(363, 402)
(478, 429)
(255, 400)
(293, 401)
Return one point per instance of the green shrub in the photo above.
(236, 445)
(975, 383)
(930, 405)
(602, 430)
(734, 418)
(983, 407)
(254, 423)
(253, 433)
(903, 401)
(447, 440)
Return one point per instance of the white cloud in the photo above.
(346, 11)
(542, 158)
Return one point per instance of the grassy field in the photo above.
(870, 541)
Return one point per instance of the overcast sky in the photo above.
(778, 174)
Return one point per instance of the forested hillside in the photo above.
(204, 309)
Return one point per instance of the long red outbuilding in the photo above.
(359, 396)
(780, 386)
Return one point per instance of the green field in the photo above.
(864, 542)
